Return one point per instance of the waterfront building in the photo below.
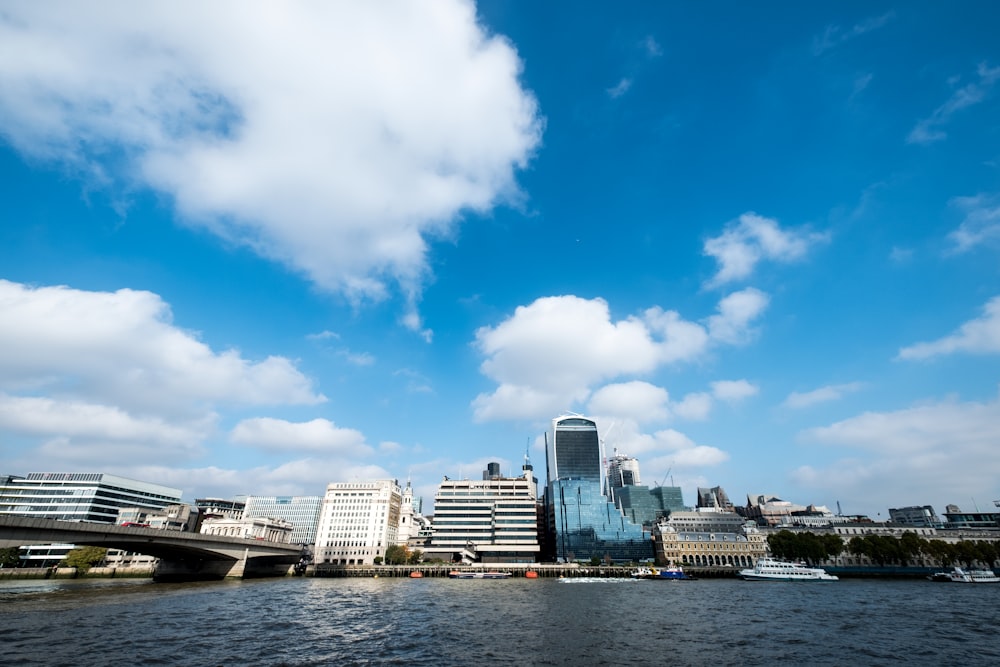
(180, 517)
(684, 543)
(413, 527)
(358, 522)
(300, 511)
(669, 499)
(582, 523)
(493, 520)
(955, 519)
(220, 508)
(76, 496)
(258, 528)
(923, 516)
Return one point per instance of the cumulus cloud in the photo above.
(978, 336)
(981, 224)
(318, 435)
(694, 406)
(733, 390)
(548, 355)
(331, 137)
(752, 238)
(106, 376)
(122, 349)
(636, 400)
(928, 448)
(736, 313)
(833, 392)
(928, 130)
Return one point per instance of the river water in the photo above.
(313, 621)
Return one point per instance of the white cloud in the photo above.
(318, 435)
(751, 239)
(977, 336)
(640, 401)
(834, 35)
(548, 355)
(833, 392)
(694, 406)
(734, 390)
(120, 348)
(619, 88)
(652, 47)
(935, 453)
(106, 378)
(331, 137)
(981, 224)
(736, 312)
(929, 130)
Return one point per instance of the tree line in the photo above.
(881, 549)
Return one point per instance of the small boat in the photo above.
(963, 576)
(416, 574)
(770, 569)
(669, 573)
(464, 574)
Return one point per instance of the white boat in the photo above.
(963, 576)
(770, 569)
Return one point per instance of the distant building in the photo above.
(76, 496)
(414, 529)
(768, 510)
(582, 523)
(622, 471)
(181, 517)
(258, 528)
(219, 508)
(358, 522)
(493, 520)
(956, 519)
(922, 517)
(300, 511)
(714, 498)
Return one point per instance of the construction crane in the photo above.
(669, 468)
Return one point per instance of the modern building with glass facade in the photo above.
(493, 520)
(582, 522)
(76, 496)
(300, 511)
(358, 522)
(573, 449)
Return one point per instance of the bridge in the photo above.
(181, 556)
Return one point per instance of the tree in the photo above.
(10, 557)
(396, 555)
(415, 557)
(84, 558)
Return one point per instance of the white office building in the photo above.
(489, 521)
(358, 522)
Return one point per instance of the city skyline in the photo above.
(298, 244)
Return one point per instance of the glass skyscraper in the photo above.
(582, 522)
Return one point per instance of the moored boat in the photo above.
(963, 576)
(467, 574)
(770, 569)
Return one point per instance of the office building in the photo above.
(493, 520)
(358, 522)
(220, 508)
(302, 512)
(922, 517)
(714, 498)
(573, 449)
(622, 471)
(76, 496)
(582, 523)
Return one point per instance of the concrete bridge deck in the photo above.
(181, 555)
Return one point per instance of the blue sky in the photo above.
(256, 248)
